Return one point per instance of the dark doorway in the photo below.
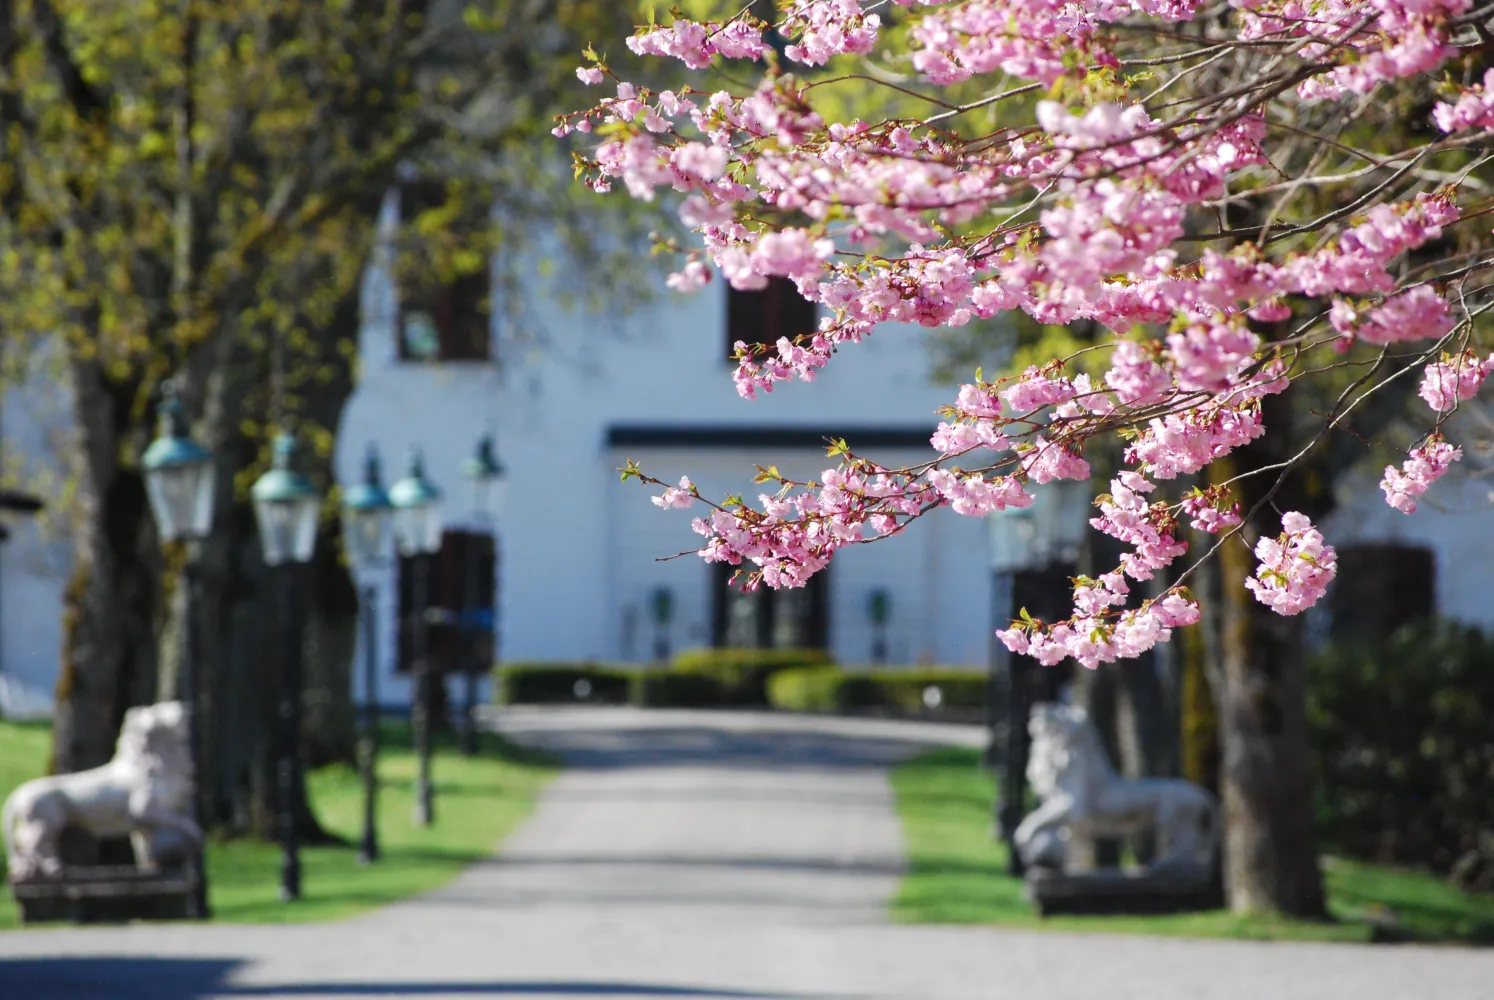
(1381, 587)
(796, 618)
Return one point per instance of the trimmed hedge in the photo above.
(677, 689)
(605, 684)
(905, 692)
(753, 678)
(744, 673)
(559, 683)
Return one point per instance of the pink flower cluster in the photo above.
(695, 43)
(825, 28)
(677, 497)
(1415, 314)
(1424, 465)
(1126, 515)
(977, 496)
(1094, 639)
(1036, 389)
(793, 536)
(1211, 509)
(1295, 568)
(1098, 212)
(1207, 356)
(1474, 108)
(1374, 40)
(1454, 378)
(1044, 461)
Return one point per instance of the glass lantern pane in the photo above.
(1014, 542)
(430, 530)
(404, 530)
(497, 496)
(366, 535)
(276, 537)
(173, 498)
(202, 508)
(306, 515)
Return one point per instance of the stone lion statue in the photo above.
(145, 792)
(1082, 796)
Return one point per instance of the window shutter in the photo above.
(766, 618)
(760, 318)
(441, 320)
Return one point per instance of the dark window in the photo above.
(443, 309)
(1379, 588)
(796, 618)
(761, 317)
(463, 597)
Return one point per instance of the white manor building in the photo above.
(581, 553)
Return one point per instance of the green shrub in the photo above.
(805, 689)
(744, 673)
(555, 683)
(905, 690)
(1404, 751)
(678, 689)
(831, 689)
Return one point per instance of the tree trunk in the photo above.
(1270, 850)
(1202, 677)
(113, 599)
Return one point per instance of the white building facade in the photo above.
(583, 556)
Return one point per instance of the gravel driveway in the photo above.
(706, 856)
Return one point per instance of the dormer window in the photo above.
(444, 312)
(760, 318)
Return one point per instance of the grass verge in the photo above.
(479, 801)
(957, 875)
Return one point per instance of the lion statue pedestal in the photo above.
(144, 794)
(1082, 797)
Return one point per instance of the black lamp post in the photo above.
(287, 508)
(180, 483)
(489, 490)
(366, 513)
(417, 528)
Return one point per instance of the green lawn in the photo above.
(957, 874)
(479, 800)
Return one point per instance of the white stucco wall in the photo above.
(35, 562)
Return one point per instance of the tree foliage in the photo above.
(192, 190)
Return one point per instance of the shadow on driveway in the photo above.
(131, 978)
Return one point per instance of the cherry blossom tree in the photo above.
(1255, 199)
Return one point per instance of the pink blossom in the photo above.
(1424, 465)
(677, 497)
(1034, 390)
(1207, 355)
(1295, 568)
(694, 275)
(1454, 378)
(1047, 461)
(1137, 379)
(1211, 511)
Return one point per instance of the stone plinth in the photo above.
(1113, 891)
(103, 894)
